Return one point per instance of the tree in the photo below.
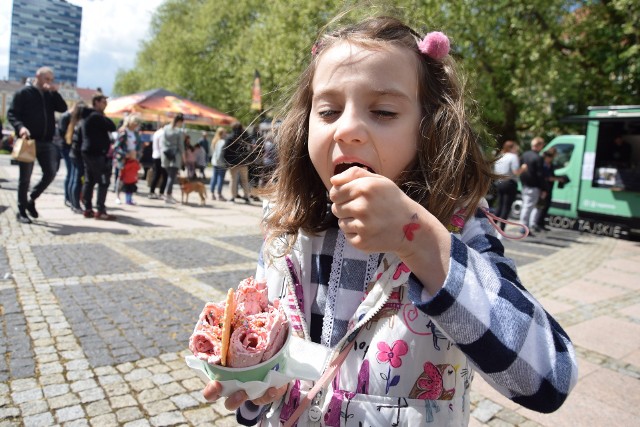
(600, 40)
(208, 50)
(528, 62)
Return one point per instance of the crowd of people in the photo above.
(535, 170)
(97, 153)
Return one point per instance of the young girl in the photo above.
(129, 177)
(402, 276)
(128, 145)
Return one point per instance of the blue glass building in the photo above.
(45, 33)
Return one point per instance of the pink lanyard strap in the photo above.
(494, 219)
(328, 375)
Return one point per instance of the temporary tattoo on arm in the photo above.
(408, 229)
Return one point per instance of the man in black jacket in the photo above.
(532, 180)
(95, 150)
(32, 115)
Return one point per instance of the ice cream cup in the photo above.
(251, 373)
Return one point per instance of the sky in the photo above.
(111, 34)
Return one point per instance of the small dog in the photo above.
(187, 187)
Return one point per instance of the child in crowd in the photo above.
(129, 177)
(128, 145)
(378, 243)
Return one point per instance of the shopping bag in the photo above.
(24, 150)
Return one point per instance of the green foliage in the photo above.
(528, 62)
(208, 50)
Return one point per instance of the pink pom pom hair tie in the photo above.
(315, 48)
(435, 45)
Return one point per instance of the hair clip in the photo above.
(435, 45)
(315, 48)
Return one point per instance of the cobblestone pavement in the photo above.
(95, 316)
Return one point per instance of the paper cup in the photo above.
(298, 358)
(251, 373)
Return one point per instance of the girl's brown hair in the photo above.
(450, 170)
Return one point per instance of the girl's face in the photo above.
(364, 111)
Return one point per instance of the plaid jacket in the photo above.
(482, 319)
(507, 335)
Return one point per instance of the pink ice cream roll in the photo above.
(259, 328)
(251, 297)
(278, 333)
(246, 346)
(212, 313)
(205, 343)
(258, 338)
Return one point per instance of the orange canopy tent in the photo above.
(161, 105)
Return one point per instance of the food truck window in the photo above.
(616, 153)
(563, 155)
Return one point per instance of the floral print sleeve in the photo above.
(506, 334)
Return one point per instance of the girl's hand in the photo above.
(377, 216)
(213, 390)
(372, 210)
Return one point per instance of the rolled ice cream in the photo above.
(258, 329)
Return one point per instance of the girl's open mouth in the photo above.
(344, 166)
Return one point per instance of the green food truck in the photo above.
(601, 194)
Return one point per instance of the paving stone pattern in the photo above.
(223, 281)
(81, 260)
(4, 265)
(536, 248)
(186, 253)
(118, 322)
(16, 353)
(250, 242)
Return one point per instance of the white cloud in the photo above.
(111, 34)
